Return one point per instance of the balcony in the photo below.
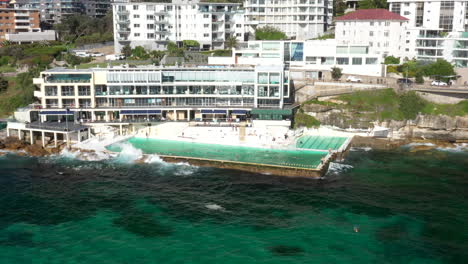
(22, 14)
(38, 94)
(162, 31)
(38, 81)
(123, 12)
(123, 21)
(123, 30)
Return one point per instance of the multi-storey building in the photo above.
(152, 25)
(299, 19)
(383, 31)
(313, 59)
(53, 11)
(16, 20)
(175, 93)
(436, 28)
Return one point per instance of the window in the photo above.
(136, 34)
(342, 61)
(136, 16)
(206, 25)
(311, 60)
(371, 60)
(238, 25)
(206, 16)
(206, 35)
(150, 26)
(387, 23)
(371, 23)
(135, 7)
(68, 91)
(407, 13)
(84, 90)
(344, 33)
(238, 34)
(150, 36)
(357, 61)
(386, 33)
(150, 17)
(396, 8)
(136, 25)
(371, 33)
(371, 44)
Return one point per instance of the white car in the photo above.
(439, 83)
(115, 57)
(97, 54)
(353, 79)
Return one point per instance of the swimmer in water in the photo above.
(356, 229)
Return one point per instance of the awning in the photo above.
(271, 112)
(216, 111)
(57, 112)
(239, 112)
(140, 112)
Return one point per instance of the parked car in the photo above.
(353, 79)
(97, 54)
(82, 54)
(115, 57)
(405, 81)
(439, 83)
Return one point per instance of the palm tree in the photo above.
(231, 42)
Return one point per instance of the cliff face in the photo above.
(440, 127)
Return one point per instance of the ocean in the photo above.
(375, 207)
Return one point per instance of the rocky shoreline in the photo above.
(440, 128)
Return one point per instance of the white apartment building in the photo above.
(174, 93)
(437, 29)
(152, 25)
(383, 31)
(312, 59)
(299, 19)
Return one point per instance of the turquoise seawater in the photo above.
(288, 158)
(408, 207)
(320, 142)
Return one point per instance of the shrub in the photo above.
(301, 120)
(392, 60)
(269, 33)
(411, 104)
(419, 77)
(336, 73)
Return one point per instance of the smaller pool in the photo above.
(287, 158)
(320, 142)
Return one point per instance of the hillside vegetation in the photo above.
(387, 105)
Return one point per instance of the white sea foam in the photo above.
(461, 147)
(213, 206)
(421, 144)
(337, 168)
(361, 149)
(128, 153)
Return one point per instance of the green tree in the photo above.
(126, 51)
(371, 4)
(191, 43)
(391, 60)
(174, 50)
(336, 73)
(140, 53)
(411, 104)
(231, 42)
(269, 33)
(419, 77)
(339, 7)
(3, 84)
(440, 67)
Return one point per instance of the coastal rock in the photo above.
(316, 108)
(36, 150)
(13, 144)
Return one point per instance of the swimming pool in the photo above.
(320, 142)
(286, 158)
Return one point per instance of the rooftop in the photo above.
(371, 14)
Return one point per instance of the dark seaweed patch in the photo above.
(282, 250)
(17, 238)
(142, 224)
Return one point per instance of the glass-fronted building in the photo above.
(171, 93)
